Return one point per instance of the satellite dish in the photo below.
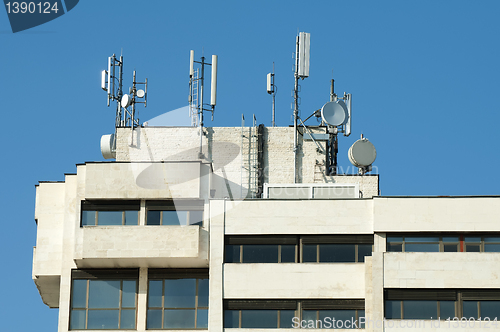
(335, 113)
(140, 93)
(362, 153)
(126, 101)
(107, 146)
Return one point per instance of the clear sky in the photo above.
(423, 75)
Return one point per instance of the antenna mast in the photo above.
(195, 99)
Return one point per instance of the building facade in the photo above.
(161, 239)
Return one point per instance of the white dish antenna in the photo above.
(108, 146)
(140, 93)
(126, 101)
(335, 113)
(362, 154)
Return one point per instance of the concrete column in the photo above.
(379, 242)
(216, 260)
(142, 298)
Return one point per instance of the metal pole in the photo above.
(274, 91)
(200, 154)
(295, 111)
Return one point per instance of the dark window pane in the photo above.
(364, 250)
(489, 247)
(183, 319)
(419, 309)
(340, 316)
(175, 218)
(260, 253)
(469, 309)
(203, 293)
(422, 247)
(109, 218)
(393, 309)
(154, 319)
(79, 294)
(180, 293)
(259, 319)
(154, 217)
(490, 309)
(394, 247)
(309, 315)
(103, 319)
(131, 217)
(231, 318)
(422, 239)
(286, 317)
(450, 239)
(491, 239)
(202, 318)
(196, 218)
(309, 252)
(232, 253)
(287, 253)
(472, 248)
(128, 293)
(155, 292)
(450, 247)
(329, 253)
(447, 309)
(104, 294)
(78, 319)
(475, 239)
(127, 319)
(88, 218)
(361, 320)
(394, 239)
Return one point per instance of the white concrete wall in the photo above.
(441, 270)
(141, 246)
(299, 217)
(294, 281)
(436, 214)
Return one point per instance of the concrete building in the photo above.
(161, 239)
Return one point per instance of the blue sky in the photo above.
(423, 75)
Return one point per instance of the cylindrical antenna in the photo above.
(191, 63)
(109, 78)
(213, 98)
(269, 84)
(103, 80)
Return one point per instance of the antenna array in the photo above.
(196, 85)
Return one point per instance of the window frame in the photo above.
(176, 274)
(105, 275)
(456, 295)
(461, 243)
(179, 205)
(109, 206)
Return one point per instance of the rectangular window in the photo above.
(441, 303)
(443, 243)
(272, 314)
(296, 248)
(109, 213)
(175, 213)
(104, 299)
(178, 299)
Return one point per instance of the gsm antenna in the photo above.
(112, 83)
(196, 86)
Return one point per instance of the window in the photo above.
(336, 248)
(266, 249)
(443, 243)
(293, 248)
(441, 303)
(272, 314)
(109, 213)
(178, 299)
(103, 299)
(178, 213)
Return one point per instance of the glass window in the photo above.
(174, 217)
(103, 304)
(363, 251)
(232, 253)
(447, 309)
(337, 253)
(260, 253)
(309, 253)
(286, 318)
(259, 319)
(420, 309)
(490, 309)
(393, 309)
(422, 247)
(178, 304)
(470, 309)
(288, 253)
